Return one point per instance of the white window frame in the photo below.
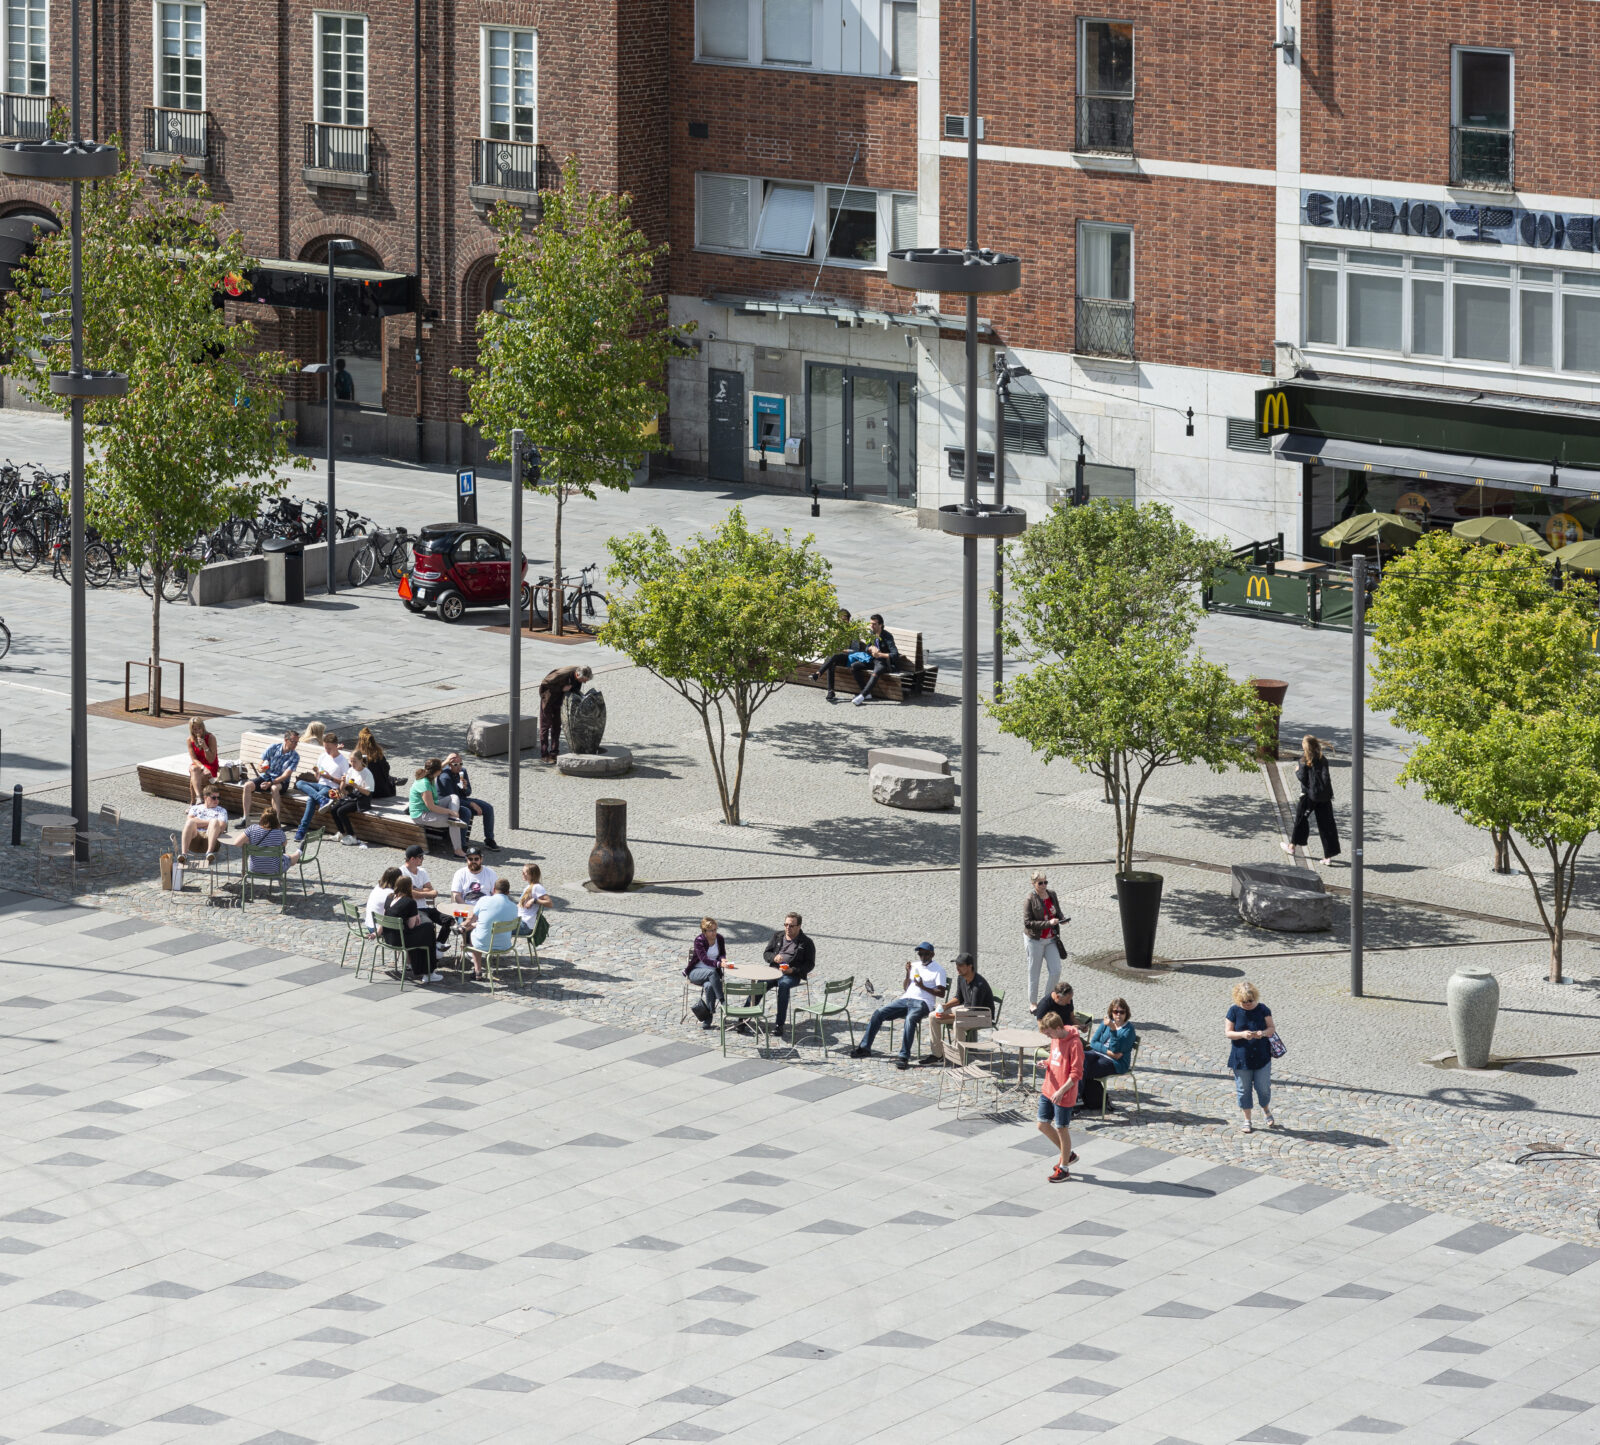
(484, 81)
(27, 60)
(758, 187)
(317, 17)
(156, 17)
(848, 37)
(1523, 277)
(1456, 52)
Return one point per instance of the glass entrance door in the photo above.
(861, 431)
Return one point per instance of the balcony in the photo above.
(25, 117)
(511, 170)
(177, 137)
(338, 157)
(1104, 328)
(1105, 125)
(1482, 157)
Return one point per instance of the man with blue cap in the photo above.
(925, 984)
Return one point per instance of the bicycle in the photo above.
(5, 638)
(388, 552)
(585, 605)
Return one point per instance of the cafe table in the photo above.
(1019, 1039)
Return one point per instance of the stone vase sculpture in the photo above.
(611, 862)
(1472, 999)
(583, 719)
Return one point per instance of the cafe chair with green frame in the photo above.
(355, 931)
(753, 1009)
(503, 945)
(278, 873)
(309, 847)
(835, 1000)
(391, 944)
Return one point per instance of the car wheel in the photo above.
(412, 605)
(452, 606)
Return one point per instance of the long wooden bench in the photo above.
(911, 679)
(388, 824)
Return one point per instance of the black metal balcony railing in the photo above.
(1105, 124)
(25, 117)
(513, 165)
(1482, 156)
(343, 148)
(1104, 328)
(169, 132)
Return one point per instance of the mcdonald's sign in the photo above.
(1274, 410)
(1258, 590)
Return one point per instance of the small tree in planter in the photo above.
(724, 621)
(1105, 601)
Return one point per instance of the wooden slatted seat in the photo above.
(913, 677)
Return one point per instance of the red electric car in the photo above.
(457, 566)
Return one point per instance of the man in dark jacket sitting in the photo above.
(796, 955)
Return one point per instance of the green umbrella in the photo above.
(1385, 528)
(1504, 531)
(1579, 556)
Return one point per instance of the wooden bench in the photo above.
(911, 679)
(388, 824)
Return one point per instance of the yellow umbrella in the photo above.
(1579, 556)
(1503, 531)
(1381, 527)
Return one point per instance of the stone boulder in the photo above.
(908, 788)
(1280, 875)
(1286, 910)
(583, 720)
(608, 762)
(487, 736)
(915, 760)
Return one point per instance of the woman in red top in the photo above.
(202, 758)
(1041, 927)
(1060, 1092)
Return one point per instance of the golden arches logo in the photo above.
(1258, 587)
(1274, 413)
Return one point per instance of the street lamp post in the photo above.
(334, 248)
(76, 161)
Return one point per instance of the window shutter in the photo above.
(787, 24)
(787, 221)
(725, 212)
(905, 222)
(1028, 424)
(1242, 436)
(725, 29)
(903, 59)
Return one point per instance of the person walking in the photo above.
(1041, 929)
(1316, 796)
(1249, 1028)
(553, 691)
(1060, 1090)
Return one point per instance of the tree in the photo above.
(724, 621)
(1105, 602)
(1495, 669)
(194, 441)
(576, 355)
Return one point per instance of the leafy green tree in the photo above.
(1496, 671)
(724, 621)
(576, 355)
(195, 439)
(1105, 600)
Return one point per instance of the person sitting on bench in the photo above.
(855, 652)
(275, 772)
(882, 656)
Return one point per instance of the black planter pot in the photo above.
(1139, 902)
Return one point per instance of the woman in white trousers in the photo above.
(1041, 928)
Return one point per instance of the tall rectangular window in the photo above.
(342, 69)
(511, 85)
(27, 47)
(1105, 57)
(852, 225)
(725, 29)
(1105, 262)
(724, 213)
(1427, 317)
(1580, 321)
(1481, 118)
(786, 31)
(903, 39)
(903, 222)
(181, 56)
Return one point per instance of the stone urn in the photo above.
(611, 862)
(1472, 999)
(1271, 692)
(583, 719)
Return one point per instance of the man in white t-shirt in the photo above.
(208, 816)
(475, 880)
(331, 771)
(926, 983)
(426, 894)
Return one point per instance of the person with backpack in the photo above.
(1316, 796)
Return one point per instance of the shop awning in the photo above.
(1440, 466)
(303, 286)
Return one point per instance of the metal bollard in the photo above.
(16, 815)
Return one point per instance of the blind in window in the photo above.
(903, 40)
(725, 212)
(787, 220)
(905, 223)
(1105, 263)
(787, 27)
(1028, 424)
(725, 29)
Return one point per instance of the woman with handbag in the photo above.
(1316, 796)
(1254, 1044)
(707, 954)
(1041, 929)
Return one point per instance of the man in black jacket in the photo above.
(885, 658)
(796, 955)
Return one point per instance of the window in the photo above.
(786, 31)
(1105, 87)
(1028, 423)
(1463, 310)
(1481, 145)
(510, 85)
(1105, 262)
(180, 58)
(903, 51)
(854, 227)
(725, 29)
(342, 69)
(27, 47)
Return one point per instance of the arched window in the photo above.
(358, 332)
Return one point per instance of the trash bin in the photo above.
(286, 569)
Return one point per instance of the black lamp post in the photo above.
(76, 161)
(971, 272)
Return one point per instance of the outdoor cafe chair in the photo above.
(276, 874)
(391, 943)
(1131, 1077)
(309, 848)
(57, 844)
(355, 930)
(503, 944)
(752, 1011)
(835, 1000)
